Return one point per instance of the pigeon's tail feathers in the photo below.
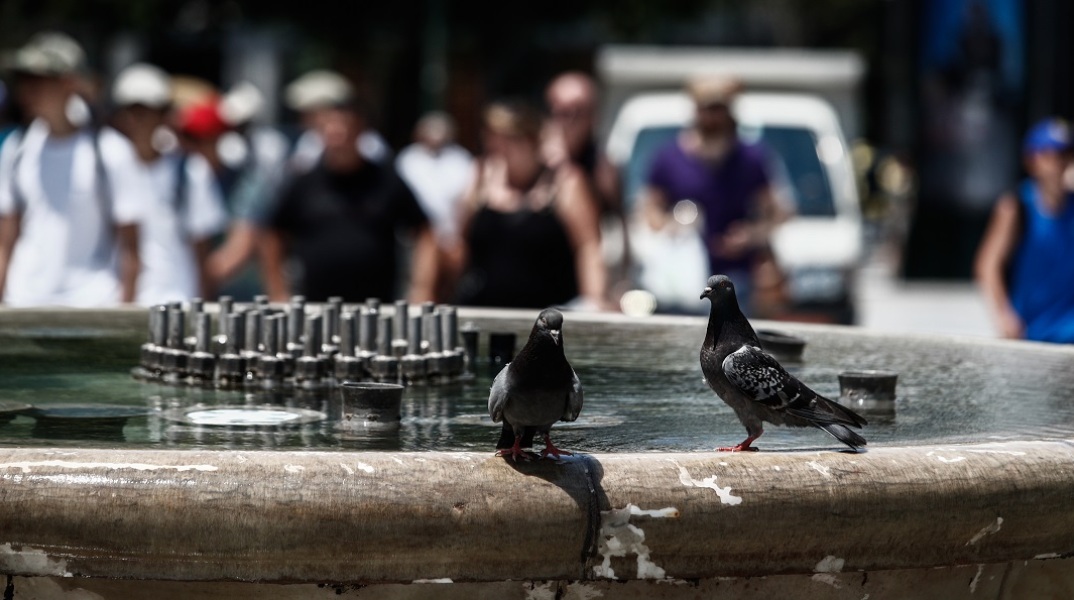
(847, 414)
(833, 418)
(822, 411)
(507, 437)
(843, 434)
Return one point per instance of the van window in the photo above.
(795, 149)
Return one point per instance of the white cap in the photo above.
(241, 103)
(49, 54)
(318, 89)
(143, 84)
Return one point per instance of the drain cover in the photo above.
(245, 416)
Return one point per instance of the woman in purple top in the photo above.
(726, 178)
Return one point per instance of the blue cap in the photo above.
(1049, 134)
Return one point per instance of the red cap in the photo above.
(202, 119)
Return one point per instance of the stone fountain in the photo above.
(964, 490)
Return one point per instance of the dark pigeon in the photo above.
(535, 390)
(754, 384)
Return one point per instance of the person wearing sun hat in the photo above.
(339, 223)
(311, 96)
(1025, 263)
(185, 208)
(69, 211)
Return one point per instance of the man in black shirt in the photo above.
(339, 222)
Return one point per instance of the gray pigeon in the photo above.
(754, 384)
(535, 390)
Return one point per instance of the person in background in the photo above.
(9, 122)
(438, 171)
(1025, 263)
(69, 212)
(253, 163)
(185, 208)
(338, 223)
(530, 232)
(311, 95)
(570, 136)
(727, 180)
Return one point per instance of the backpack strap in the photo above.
(104, 186)
(181, 193)
(18, 138)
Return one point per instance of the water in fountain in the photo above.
(642, 382)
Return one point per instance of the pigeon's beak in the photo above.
(705, 294)
(555, 335)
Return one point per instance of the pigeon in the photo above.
(754, 384)
(535, 390)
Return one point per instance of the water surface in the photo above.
(643, 392)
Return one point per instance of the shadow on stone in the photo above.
(579, 476)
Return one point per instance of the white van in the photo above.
(818, 249)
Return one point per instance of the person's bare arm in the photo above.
(271, 251)
(608, 185)
(423, 262)
(9, 234)
(653, 208)
(455, 253)
(207, 285)
(578, 212)
(130, 263)
(743, 236)
(993, 255)
(239, 246)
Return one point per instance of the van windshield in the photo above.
(796, 168)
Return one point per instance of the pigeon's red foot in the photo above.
(550, 449)
(516, 452)
(738, 448)
(742, 447)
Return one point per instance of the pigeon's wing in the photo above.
(574, 399)
(498, 395)
(762, 379)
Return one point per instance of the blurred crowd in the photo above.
(161, 188)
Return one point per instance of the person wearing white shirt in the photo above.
(439, 171)
(184, 209)
(69, 212)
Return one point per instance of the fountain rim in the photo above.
(956, 495)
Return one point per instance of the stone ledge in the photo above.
(365, 517)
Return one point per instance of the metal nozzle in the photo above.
(432, 336)
(449, 327)
(312, 344)
(235, 322)
(414, 337)
(253, 330)
(203, 327)
(272, 333)
(176, 328)
(384, 340)
(159, 323)
(401, 319)
(347, 331)
(367, 331)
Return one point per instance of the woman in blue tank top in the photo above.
(1025, 265)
